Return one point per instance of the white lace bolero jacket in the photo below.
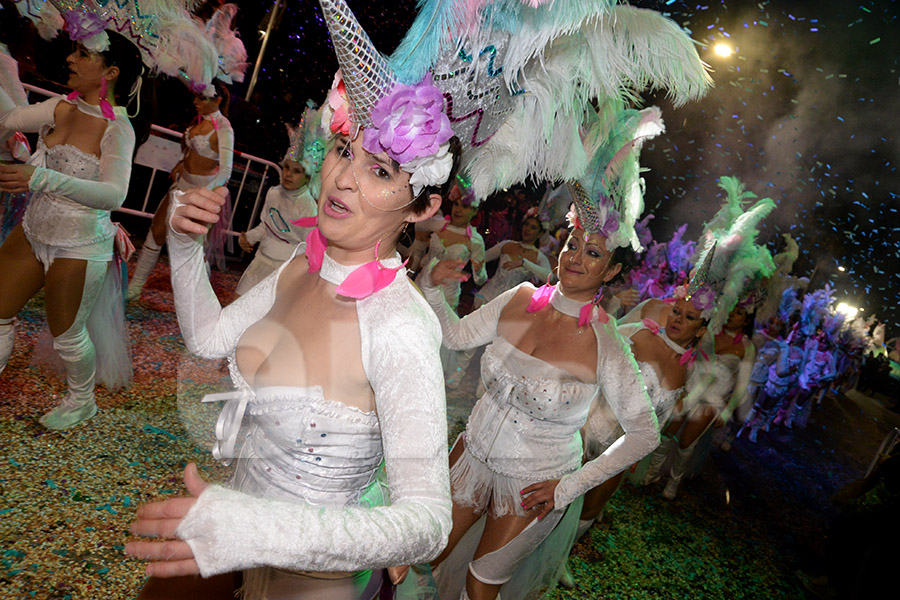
(618, 380)
(67, 210)
(229, 530)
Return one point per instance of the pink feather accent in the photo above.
(306, 222)
(651, 325)
(368, 279)
(540, 298)
(315, 249)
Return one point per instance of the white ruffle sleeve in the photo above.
(225, 135)
(229, 530)
(621, 385)
(741, 382)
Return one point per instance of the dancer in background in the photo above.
(730, 263)
(208, 145)
(77, 175)
(279, 230)
(335, 362)
(452, 239)
(516, 464)
(207, 162)
(520, 261)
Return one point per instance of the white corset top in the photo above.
(662, 399)
(526, 424)
(58, 221)
(296, 445)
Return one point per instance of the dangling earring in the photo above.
(105, 107)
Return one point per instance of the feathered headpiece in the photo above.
(407, 122)
(612, 183)
(163, 30)
(307, 146)
(232, 55)
(518, 76)
(816, 307)
(730, 261)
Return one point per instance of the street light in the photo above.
(723, 50)
(849, 311)
(841, 269)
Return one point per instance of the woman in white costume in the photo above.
(78, 174)
(719, 372)
(207, 162)
(335, 363)
(208, 144)
(519, 461)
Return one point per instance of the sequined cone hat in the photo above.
(365, 72)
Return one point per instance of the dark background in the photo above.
(804, 112)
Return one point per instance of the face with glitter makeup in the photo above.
(584, 265)
(684, 323)
(365, 198)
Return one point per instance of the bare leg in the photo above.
(23, 276)
(596, 498)
(695, 426)
(158, 224)
(501, 550)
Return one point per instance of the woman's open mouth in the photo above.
(335, 208)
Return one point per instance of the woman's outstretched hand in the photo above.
(448, 270)
(169, 557)
(540, 495)
(196, 210)
(14, 178)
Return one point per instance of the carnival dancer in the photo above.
(518, 464)
(279, 231)
(452, 238)
(335, 361)
(208, 146)
(782, 381)
(520, 261)
(78, 174)
(729, 265)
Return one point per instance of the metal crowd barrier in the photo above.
(250, 178)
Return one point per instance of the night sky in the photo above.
(804, 112)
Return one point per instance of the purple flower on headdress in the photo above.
(81, 24)
(409, 122)
(612, 224)
(704, 298)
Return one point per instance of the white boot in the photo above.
(657, 460)
(77, 353)
(678, 469)
(7, 338)
(147, 258)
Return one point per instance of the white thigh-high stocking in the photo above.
(77, 353)
(7, 337)
(147, 258)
